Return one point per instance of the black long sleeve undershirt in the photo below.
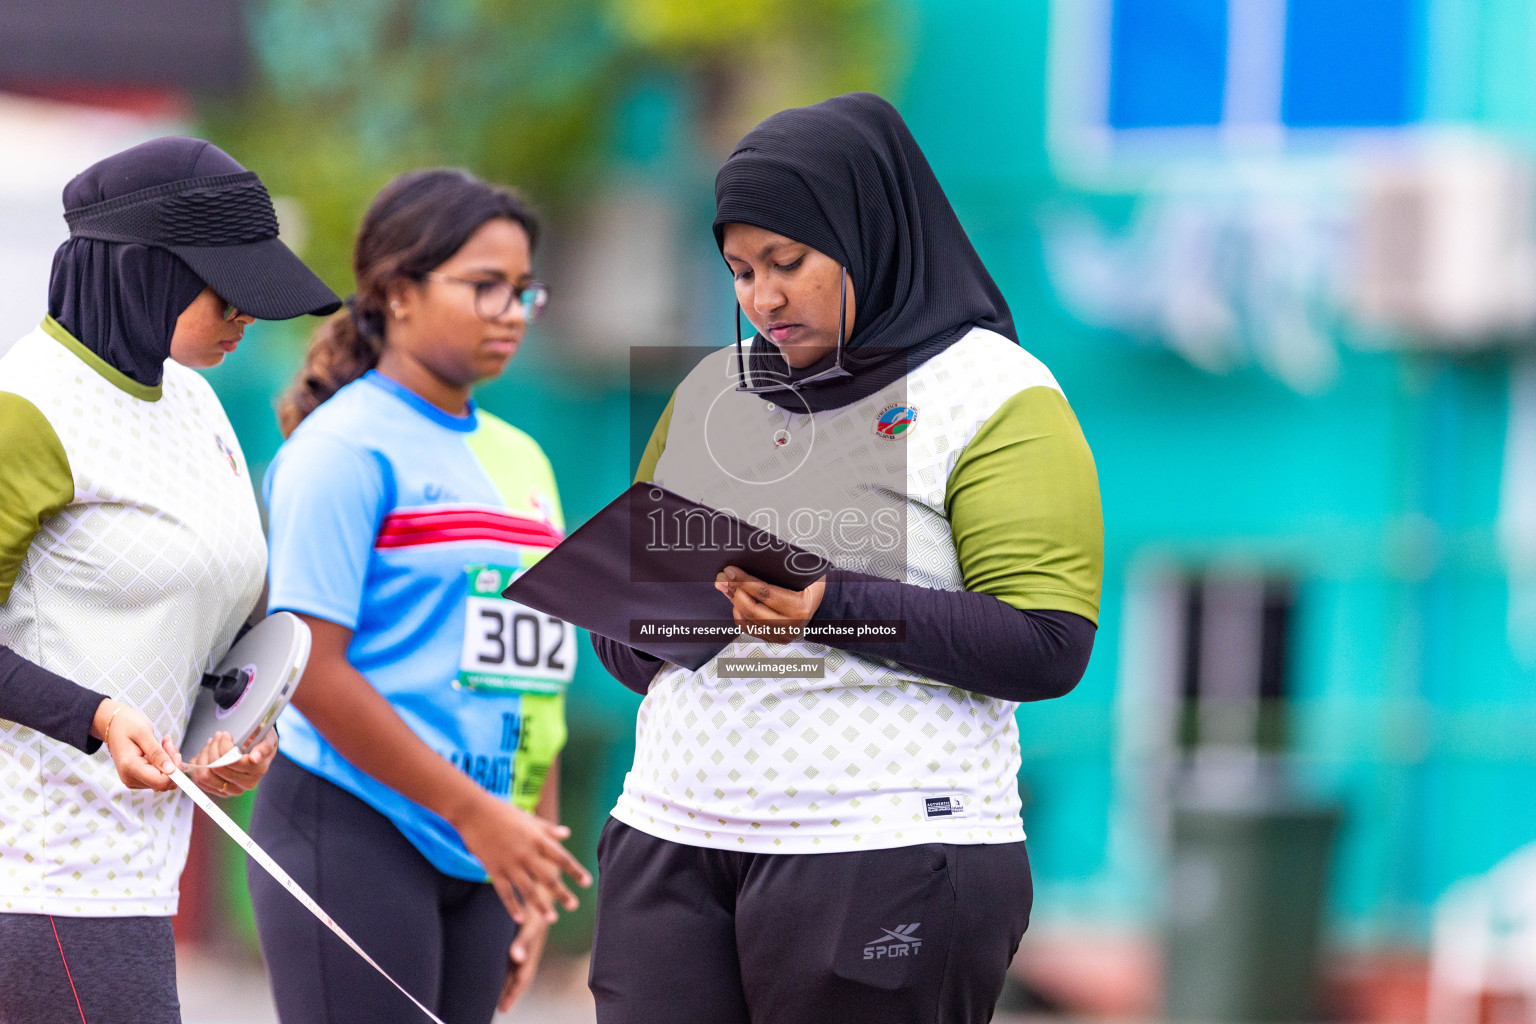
(32, 696)
(967, 640)
(964, 639)
(635, 669)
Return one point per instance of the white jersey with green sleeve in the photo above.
(131, 551)
(971, 473)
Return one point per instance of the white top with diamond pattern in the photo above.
(865, 757)
(130, 590)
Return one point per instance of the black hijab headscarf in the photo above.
(121, 299)
(847, 178)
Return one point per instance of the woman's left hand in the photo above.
(233, 779)
(770, 613)
(523, 960)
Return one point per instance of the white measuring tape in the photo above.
(272, 868)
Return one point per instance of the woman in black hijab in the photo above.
(130, 553)
(823, 822)
(847, 178)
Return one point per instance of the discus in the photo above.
(248, 690)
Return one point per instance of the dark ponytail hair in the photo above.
(415, 224)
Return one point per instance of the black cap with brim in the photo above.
(264, 279)
(223, 226)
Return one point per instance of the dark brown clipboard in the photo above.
(621, 571)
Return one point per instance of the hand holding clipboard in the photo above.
(642, 572)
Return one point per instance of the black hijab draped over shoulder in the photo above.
(121, 299)
(847, 178)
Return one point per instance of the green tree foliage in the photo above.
(529, 92)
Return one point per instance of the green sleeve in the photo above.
(1023, 506)
(657, 443)
(35, 481)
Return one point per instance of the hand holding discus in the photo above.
(233, 778)
(145, 762)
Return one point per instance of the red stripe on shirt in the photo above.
(419, 527)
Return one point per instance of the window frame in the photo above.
(1079, 83)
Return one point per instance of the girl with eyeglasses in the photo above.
(417, 793)
(843, 842)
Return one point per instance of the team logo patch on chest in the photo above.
(896, 421)
(228, 453)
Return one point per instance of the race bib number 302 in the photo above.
(509, 647)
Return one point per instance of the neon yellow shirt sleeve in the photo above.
(1023, 507)
(35, 481)
(516, 465)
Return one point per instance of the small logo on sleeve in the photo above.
(896, 421)
(943, 807)
(898, 941)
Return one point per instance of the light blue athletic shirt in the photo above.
(386, 515)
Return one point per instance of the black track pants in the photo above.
(445, 939)
(919, 934)
(121, 969)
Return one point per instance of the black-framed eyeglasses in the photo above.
(833, 372)
(494, 298)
